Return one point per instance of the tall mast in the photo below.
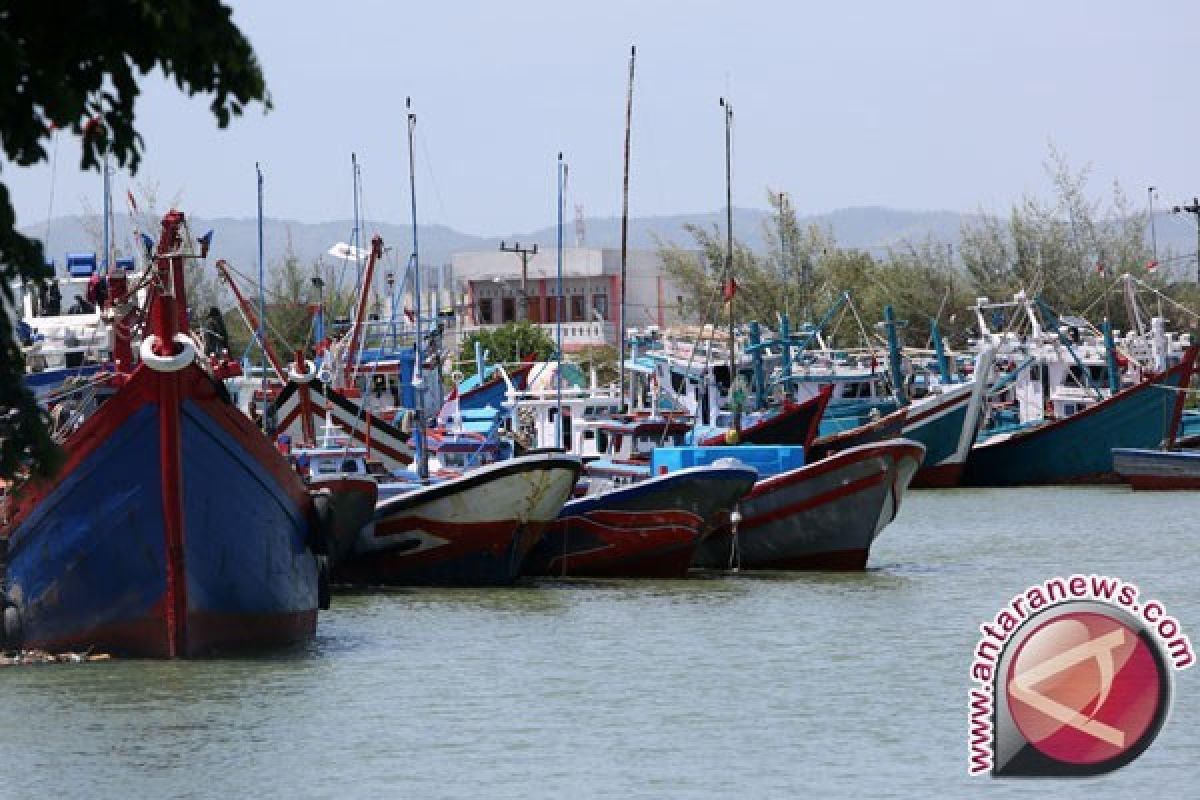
(417, 380)
(730, 287)
(262, 299)
(106, 262)
(558, 298)
(625, 218)
(357, 234)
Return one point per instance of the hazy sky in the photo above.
(922, 105)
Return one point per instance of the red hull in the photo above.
(942, 476)
(1155, 482)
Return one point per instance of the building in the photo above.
(500, 287)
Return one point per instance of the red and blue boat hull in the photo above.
(647, 530)
(473, 530)
(173, 530)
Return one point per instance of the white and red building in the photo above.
(496, 290)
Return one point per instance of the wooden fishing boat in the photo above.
(649, 529)
(174, 529)
(1158, 469)
(474, 530)
(824, 515)
(1079, 448)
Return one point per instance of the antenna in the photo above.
(580, 225)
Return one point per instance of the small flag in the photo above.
(148, 243)
(1100, 268)
(730, 290)
(205, 242)
(132, 202)
(408, 312)
(1152, 266)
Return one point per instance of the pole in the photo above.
(1153, 232)
(106, 263)
(559, 300)
(524, 253)
(262, 298)
(625, 220)
(357, 232)
(730, 286)
(418, 378)
(1193, 209)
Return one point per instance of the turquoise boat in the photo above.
(1078, 448)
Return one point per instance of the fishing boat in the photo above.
(343, 489)
(1078, 448)
(1158, 469)
(632, 523)
(474, 530)
(824, 515)
(875, 429)
(791, 423)
(174, 529)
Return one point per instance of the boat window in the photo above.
(1035, 372)
(588, 435)
(602, 441)
(349, 465)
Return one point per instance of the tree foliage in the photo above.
(75, 66)
(1068, 249)
(506, 344)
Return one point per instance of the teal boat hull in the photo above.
(1078, 449)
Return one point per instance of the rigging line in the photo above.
(1166, 297)
(691, 357)
(437, 192)
(53, 180)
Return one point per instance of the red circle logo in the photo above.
(1084, 688)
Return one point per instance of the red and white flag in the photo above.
(1152, 266)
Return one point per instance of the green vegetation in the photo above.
(506, 344)
(77, 69)
(1049, 248)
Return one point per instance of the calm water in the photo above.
(771, 686)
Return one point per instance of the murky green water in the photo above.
(747, 686)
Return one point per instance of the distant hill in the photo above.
(871, 228)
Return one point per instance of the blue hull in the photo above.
(1078, 449)
(91, 562)
(647, 530)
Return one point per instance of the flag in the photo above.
(205, 242)
(1100, 268)
(132, 202)
(730, 290)
(408, 312)
(148, 243)
(1152, 266)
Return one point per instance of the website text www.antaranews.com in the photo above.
(1049, 593)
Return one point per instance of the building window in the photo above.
(485, 312)
(577, 308)
(508, 309)
(600, 304)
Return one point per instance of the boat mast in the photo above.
(262, 300)
(106, 264)
(625, 219)
(357, 234)
(730, 287)
(562, 174)
(417, 379)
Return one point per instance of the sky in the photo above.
(914, 105)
